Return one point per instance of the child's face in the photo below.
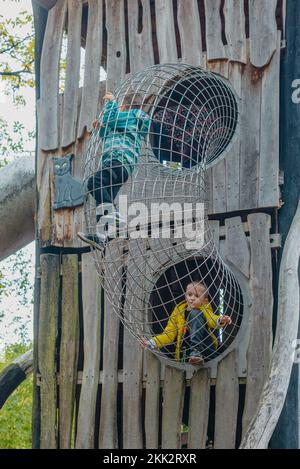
(195, 295)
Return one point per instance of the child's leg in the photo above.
(200, 341)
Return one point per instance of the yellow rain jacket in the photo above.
(177, 324)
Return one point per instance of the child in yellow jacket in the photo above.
(193, 318)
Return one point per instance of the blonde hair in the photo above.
(197, 283)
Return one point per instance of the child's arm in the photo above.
(167, 337)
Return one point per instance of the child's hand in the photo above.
(224, 321)
(144, 343)
(96, 124)
(108, 96)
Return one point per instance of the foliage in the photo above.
(17, 54)
(15, 416)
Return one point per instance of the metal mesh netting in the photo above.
(145, 177)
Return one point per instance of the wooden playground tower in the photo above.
(93, 384)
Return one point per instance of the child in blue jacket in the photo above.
(121, 129)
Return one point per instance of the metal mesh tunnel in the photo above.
(146, 212)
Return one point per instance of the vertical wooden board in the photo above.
(132, 351)
(69, 347)
(140, 42)
(173, 398)
(269, 137)
(227, 402)
(93, 54)
(209, 191)
(116, 43)
(199, 409)
(190, 32)
(232, 160)
(43, 215)
(236, 246)
(152, 400)
(91, 295)
(214, 226)
(108, 436)
(235, 30)
(72, 73)
(47, 334)
(259, 350)
(219, 197)
(262, 31)
(250, 137)
(213, 26)
(48, 122)
(165, 31)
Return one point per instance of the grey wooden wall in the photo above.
(69, 358)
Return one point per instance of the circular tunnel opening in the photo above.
(194, 121)
(224, 298)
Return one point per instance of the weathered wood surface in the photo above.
(69, 346)
(152, 365)
(173, 398)
(263, 31)
(233, 157)
(14, 374)
(189, 21)
(214, 44)
(259, 350)
(199, 409)
(72, 73)
(235, 30)
(93, 53)
(140, 42)
(47, 334)
(260, 430)
(91, 295)
(227, 402)
(237, 250)
(250, 137)
(116, 43)
(165, 31)
(269, 132)
(134, 310)
(49, 109)
(108, 435)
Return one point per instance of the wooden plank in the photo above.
(140, 42)
(116, 43)
(189, 21)
(48, 122)
(227, 402)
(214, 226)
(259, 350)
(91, 342)
(72, 73)
(269, 193)
(132, 351)
(275, 390)
(49, 299)
(69, 347)
(262, 31)
(90, 90)
(213, 26)
(173, 398)
(236, 247)
(250, 137)
(199, 409)
(219, 168)
(108, 435)
(165, 31)
(152, 400)
(232, 160)
(235, 30)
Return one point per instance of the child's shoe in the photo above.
(97, 240)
